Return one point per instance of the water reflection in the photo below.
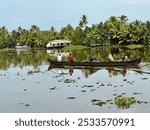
(22, 58)
(71, 71)
(88, 71)
(113, 71)
(29, 57)
(55, 52)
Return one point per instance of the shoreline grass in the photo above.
(74, 47)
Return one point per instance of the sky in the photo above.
(59, 13)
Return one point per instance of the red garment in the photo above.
(70, 57)
(71, 71)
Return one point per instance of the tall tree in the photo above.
(83, 22)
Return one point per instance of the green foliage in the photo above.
(114, 31)
(30, 72)
(124, 102)
(74, 47)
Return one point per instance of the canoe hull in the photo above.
(134, 62)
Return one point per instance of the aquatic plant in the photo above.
(124, 102)
(30, 72)
(98, 102)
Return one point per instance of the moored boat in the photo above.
(20, 46)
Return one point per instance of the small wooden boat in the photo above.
(134, 62)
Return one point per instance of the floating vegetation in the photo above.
(109, 84)
(102, 84)
(98, 102)
(140, 102)
(69, 81)
(31, 72)
(119, 96)
(93, 90)
(27, 105)
(136, 93)
(25, 89)
(87, 86)
(90, 86)
(83, 86)
(59, 80)
(120, 102)
(124, 102)
(108, 100)
(83, 90)
(144, 78)
(71, 98)
(124, 79)
(53, 88)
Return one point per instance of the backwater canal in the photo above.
(27, 85)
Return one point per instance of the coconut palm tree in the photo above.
(83, 22)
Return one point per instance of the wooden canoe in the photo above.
(134, 62)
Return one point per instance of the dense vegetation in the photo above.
(114, 31)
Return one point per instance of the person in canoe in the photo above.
(124, 57)
(91, 59)
(70, 57)
(110, 57)
(59, 58)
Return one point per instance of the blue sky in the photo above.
(59, 13)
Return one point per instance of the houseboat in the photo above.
(58, 44)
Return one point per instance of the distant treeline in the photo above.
(114, 31)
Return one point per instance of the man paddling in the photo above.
(70, 57)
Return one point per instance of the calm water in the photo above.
(26, 84)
